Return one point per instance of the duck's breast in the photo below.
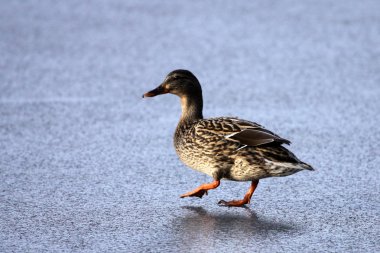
(207, 154)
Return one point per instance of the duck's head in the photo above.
(179, 82)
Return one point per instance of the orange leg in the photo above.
(245, 200)
(201, 190)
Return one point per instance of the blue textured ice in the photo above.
(87, 165)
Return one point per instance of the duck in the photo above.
(225, 148)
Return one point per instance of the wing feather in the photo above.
(245, 132)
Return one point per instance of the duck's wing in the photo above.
(245, 132)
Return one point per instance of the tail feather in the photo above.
(306, 166)
(286, 168)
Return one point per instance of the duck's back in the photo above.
(233, 149)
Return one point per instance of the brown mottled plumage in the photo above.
(226, 147)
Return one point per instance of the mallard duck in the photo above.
(226, 147)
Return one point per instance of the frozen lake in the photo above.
(87, 165)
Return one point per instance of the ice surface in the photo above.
(86, 165)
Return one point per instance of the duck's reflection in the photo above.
(206, 229)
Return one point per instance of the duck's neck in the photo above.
(192, 107)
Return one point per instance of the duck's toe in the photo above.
(237, 203)
(198, 194)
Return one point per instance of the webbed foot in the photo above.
(198, 194)
(245, 200)
(201, 190)
(237, 203)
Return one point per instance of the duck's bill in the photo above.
(157, 91)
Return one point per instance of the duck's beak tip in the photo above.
(149, 94)
(157, 91)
